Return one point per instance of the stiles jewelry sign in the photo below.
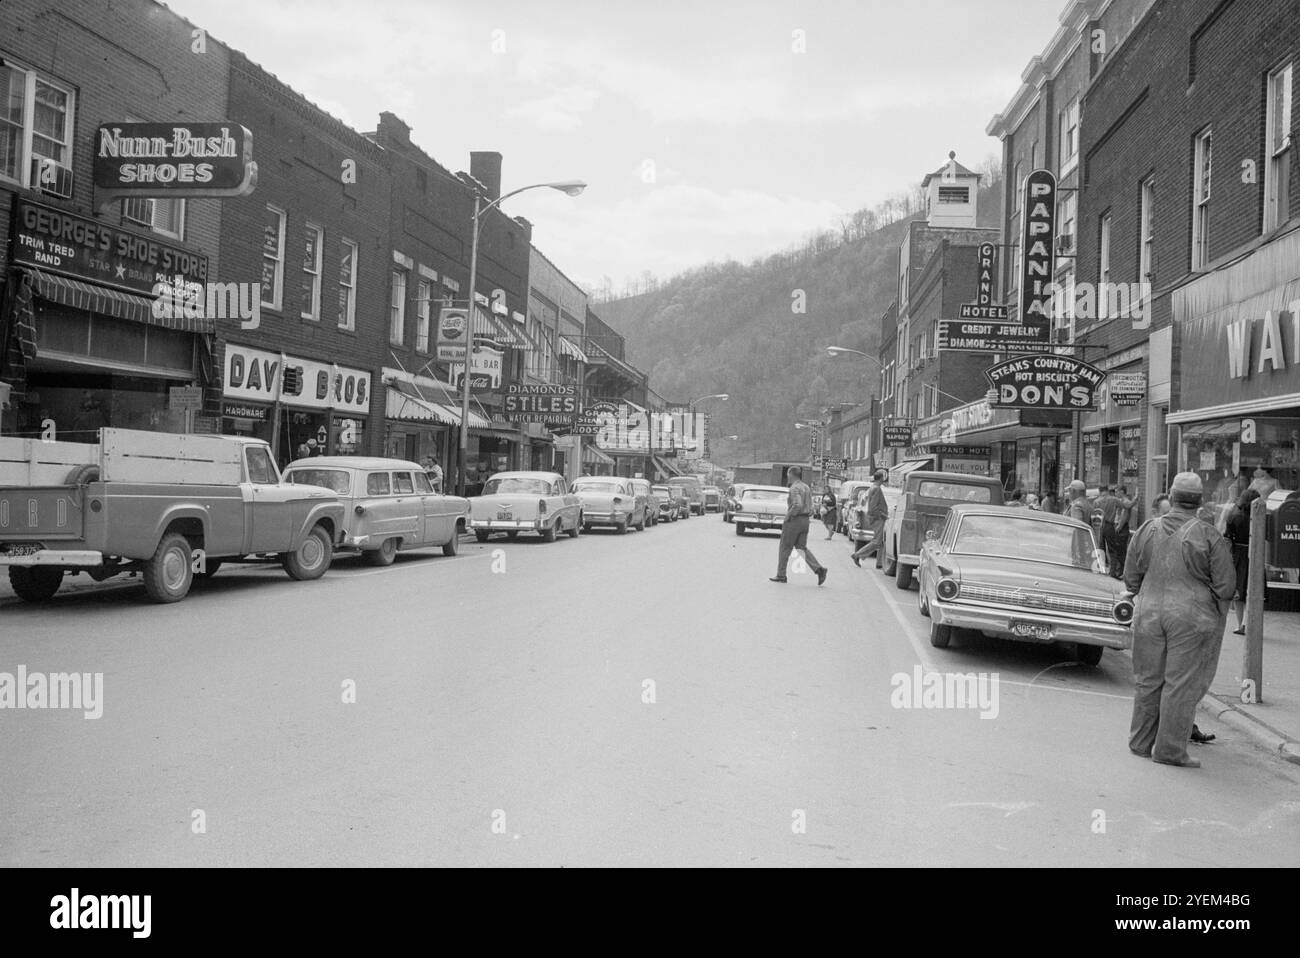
(1045, 382)
(173, 159)
(541, 402)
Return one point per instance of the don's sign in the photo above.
(1045, 382)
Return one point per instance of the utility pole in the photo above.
(1252, 659)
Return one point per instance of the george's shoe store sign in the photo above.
(173, 159)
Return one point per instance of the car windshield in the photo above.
(662, 490)
(335, 479)
(516, 485)
(955, 492)
(1010, 537)
(763, 494)
(585, 486)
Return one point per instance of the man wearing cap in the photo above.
(1079, 505)
(1181, 571)
(794, 531)
(877, 512)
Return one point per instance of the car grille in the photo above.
(1040, 601)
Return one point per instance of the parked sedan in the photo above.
(730, 499)
(1022, 575)
(761, 507)
(514, 502)
(391, 507)
(671, 504)
(611, 501)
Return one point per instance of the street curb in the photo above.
(1263, 734)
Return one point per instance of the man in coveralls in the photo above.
(1181, 570)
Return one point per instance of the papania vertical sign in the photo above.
(1038, 250)
(175, 159)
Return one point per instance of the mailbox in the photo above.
(1283, 529)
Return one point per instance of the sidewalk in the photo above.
(1273, 723)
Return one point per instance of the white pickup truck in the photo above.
(167, 506)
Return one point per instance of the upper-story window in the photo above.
(1103, 266)
(1201, 199)
(273, 257)
(348, 285)
(1146, 241)
(423, 313)
(1066, 214)
(36, 124)
(397, 307)
(1277, 150)
(1017, 188)
(311, 270)
(1070, 137)
(157, 213)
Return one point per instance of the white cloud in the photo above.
(561, 111)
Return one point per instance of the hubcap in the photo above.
(173, 569)
(311, 552)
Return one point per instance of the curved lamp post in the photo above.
(569, 187)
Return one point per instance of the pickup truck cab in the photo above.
(167, 506)
(923, 509)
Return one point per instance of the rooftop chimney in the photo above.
(485, 166)
(393, 129)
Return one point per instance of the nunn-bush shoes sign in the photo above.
(175, 159)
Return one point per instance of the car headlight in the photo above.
(947, 589)
(1123, 611)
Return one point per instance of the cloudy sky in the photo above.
(707, 130)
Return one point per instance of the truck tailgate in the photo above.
(39, 513)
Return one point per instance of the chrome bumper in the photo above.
(1111, 635)
(71, 558)
(606, 518)
(752, 520)
(490, 524)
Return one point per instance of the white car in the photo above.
(515, 502)
(761, 507)
(611, 501)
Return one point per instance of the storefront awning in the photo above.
(112, 302)
(591, 456)
(570, 349)
(407, 408)
(666, 469)
(900, 471)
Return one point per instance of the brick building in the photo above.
(1190, 185)
(1044, 127)
(80, 345)
(320, 212)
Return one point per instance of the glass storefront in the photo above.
(79, 404)
(1226, 453)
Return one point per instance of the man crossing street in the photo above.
(794, 531)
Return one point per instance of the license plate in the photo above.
(1033, 630)
(23, 549)
(505, 515)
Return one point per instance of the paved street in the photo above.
(507, 687)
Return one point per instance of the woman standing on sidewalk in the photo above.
(1237, 532)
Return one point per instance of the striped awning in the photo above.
(112, 302)
(487, 325)
(569, 348)
(402, 406)
(591, 456)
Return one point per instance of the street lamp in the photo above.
(691, 405)
(568, 187)
(834, 351)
